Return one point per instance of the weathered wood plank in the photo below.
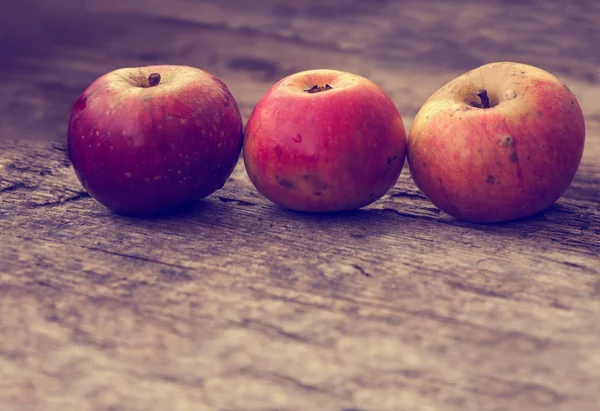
(236, 304)
(394, 306)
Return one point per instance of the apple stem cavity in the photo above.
(485, 100)
(318, 89)
(153, 79)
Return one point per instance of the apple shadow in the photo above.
(557, 223)
(555, 213)
(360, 223)
(221, 215)
(185, 210)
(342, 215)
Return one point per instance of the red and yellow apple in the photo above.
(324, 140)
(500, 142)
(145, 140)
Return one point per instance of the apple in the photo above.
(500, 142)
(324, 140)
(146, 140)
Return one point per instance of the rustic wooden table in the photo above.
(237, 304)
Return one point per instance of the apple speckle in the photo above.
(490, 180)
(507, 141)
(510, 94)
(513, 157)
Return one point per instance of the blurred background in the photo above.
(51, 50)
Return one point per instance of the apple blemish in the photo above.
(506, 141)
(510, 94)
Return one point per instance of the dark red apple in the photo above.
(500, 142)
(324, 140)
(145, 140)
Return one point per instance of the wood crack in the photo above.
(101, 250)
(134, 257)
(477, 290)
(407, 194)
(415, 215)
(361, 270)
(78, 196)
(272, 330)
(14, 186)
(237, 201)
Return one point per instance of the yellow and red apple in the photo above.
(500, 142)
(145, 140)
(324, 140)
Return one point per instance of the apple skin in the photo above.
(142, 150)
(501, 163)
(338, 149)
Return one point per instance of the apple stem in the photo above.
(483, 96)
(153, 79)
(318, 89)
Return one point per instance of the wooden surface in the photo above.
(236, 304)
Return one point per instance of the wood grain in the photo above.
(236, 304)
